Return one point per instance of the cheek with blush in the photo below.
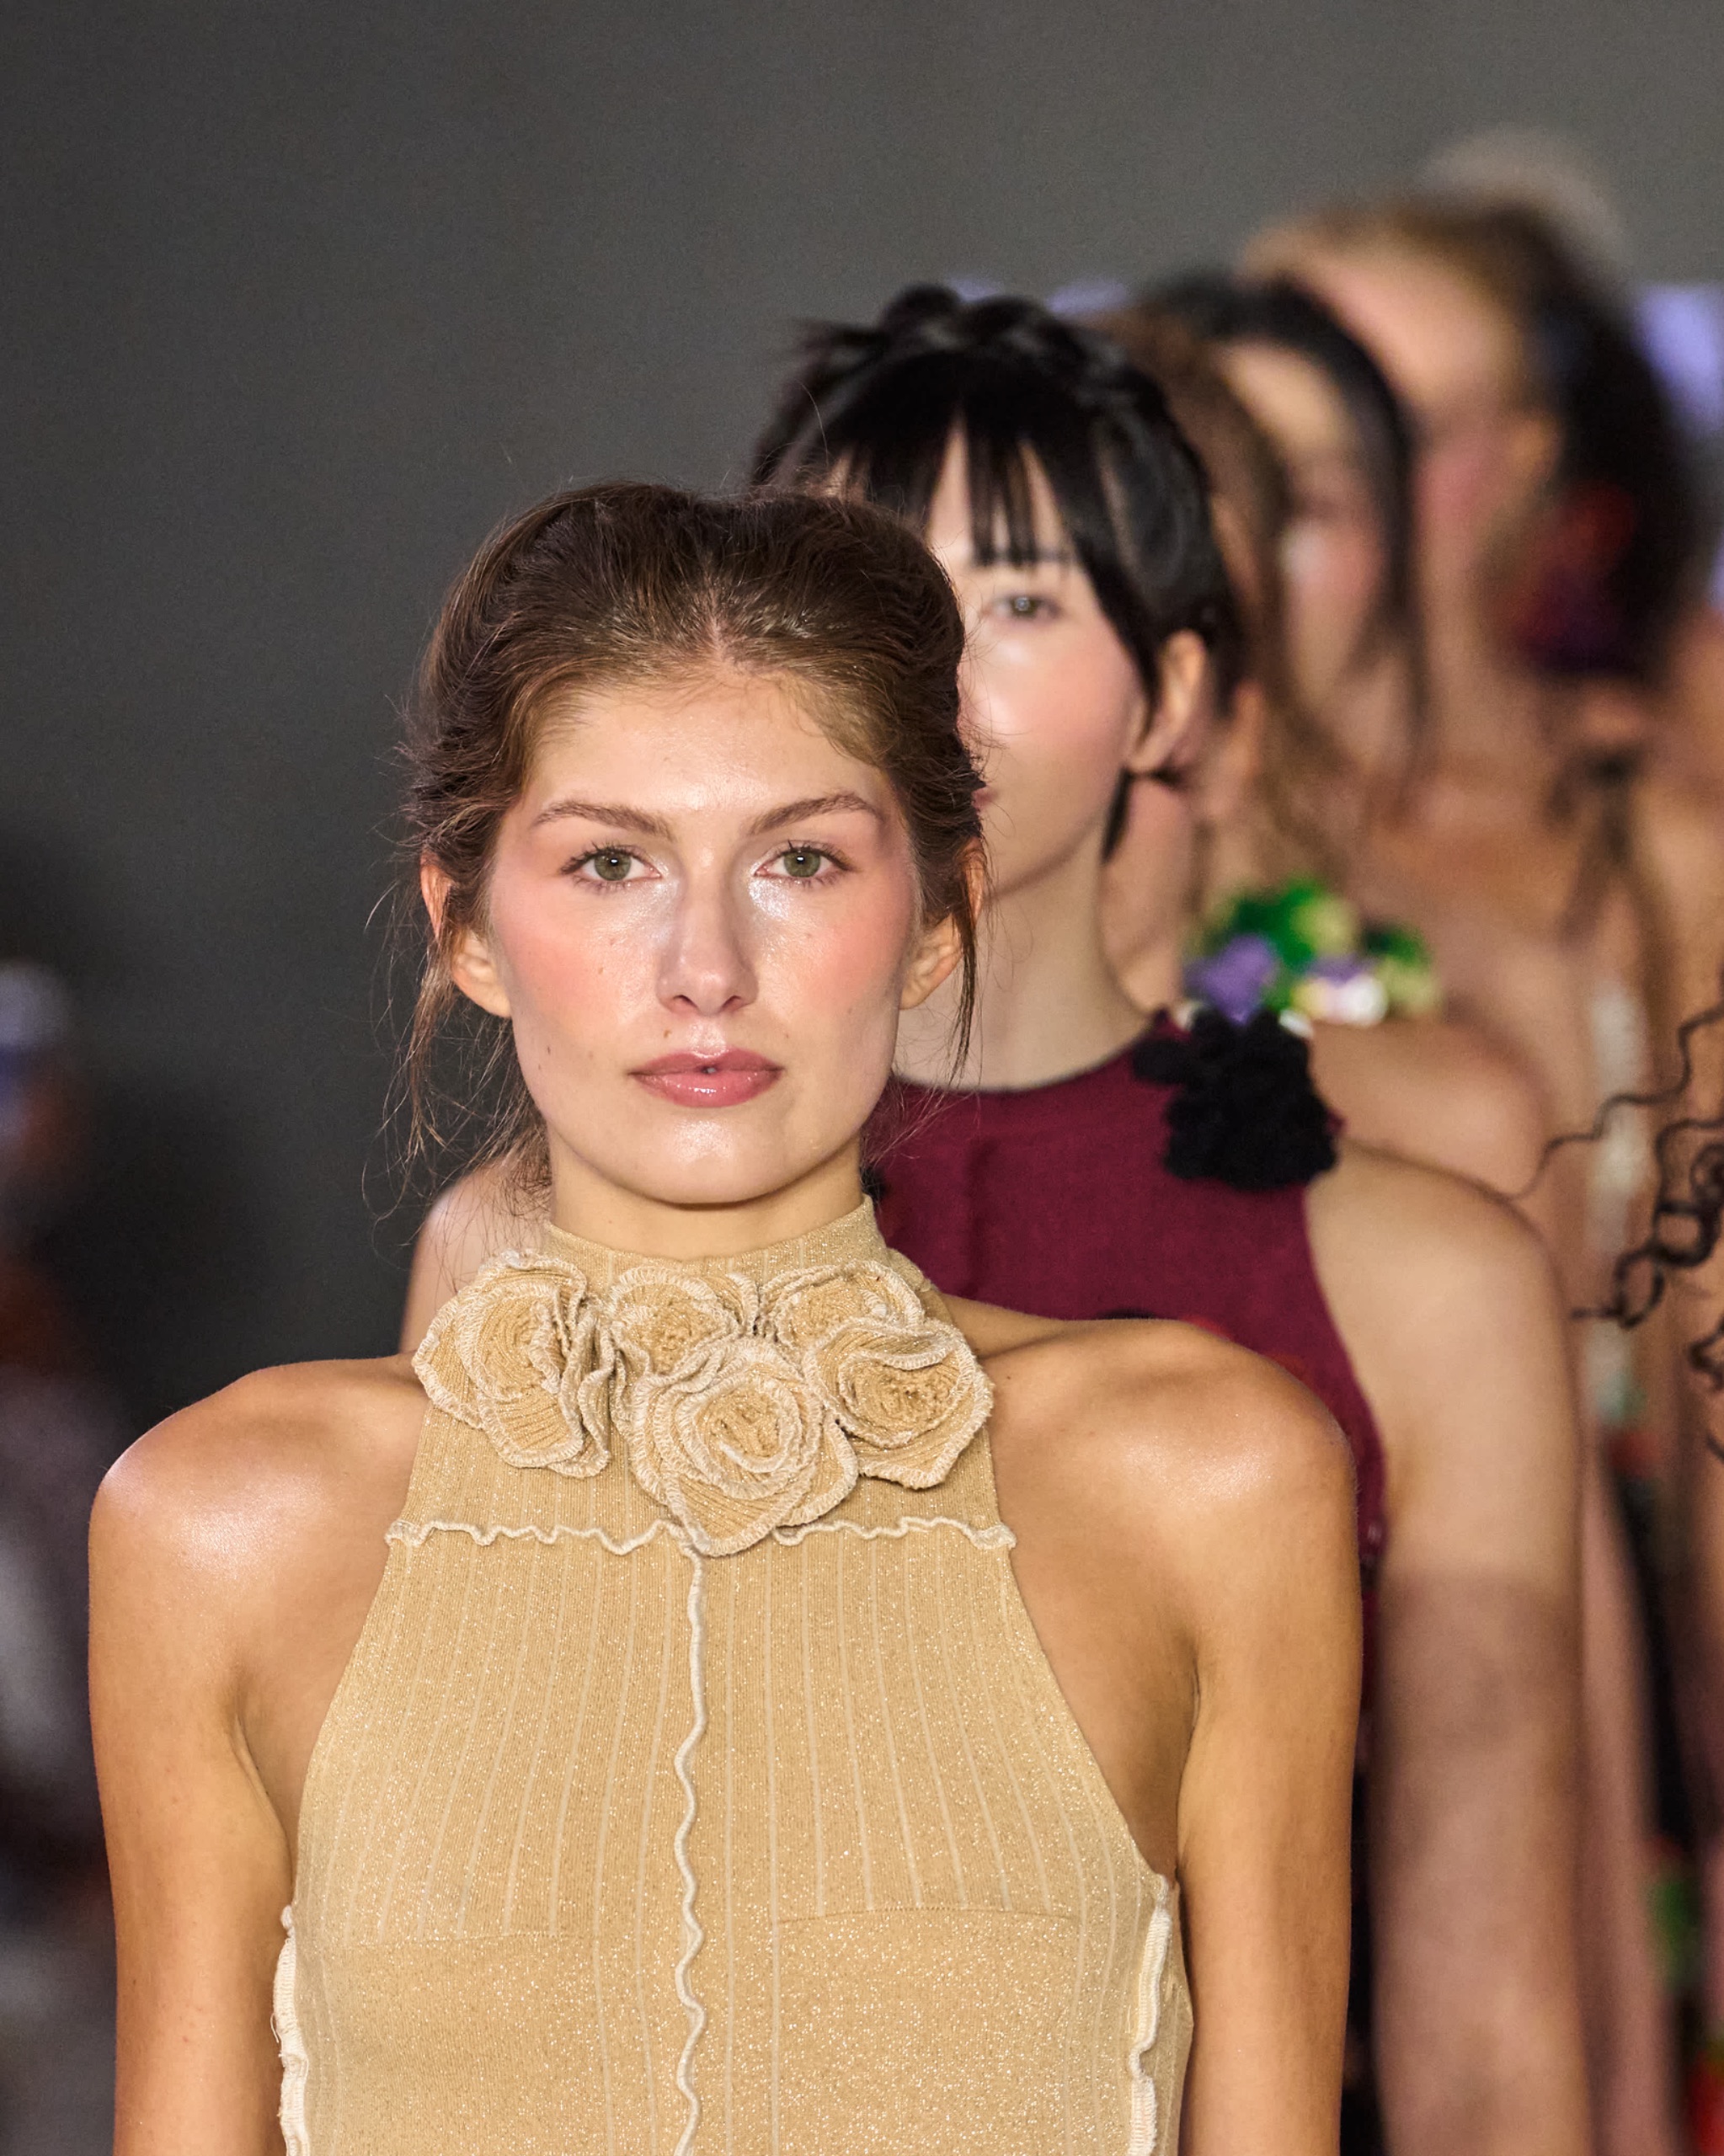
(1333, 576)
(569, 967)
(1056, 725)
(838, 961)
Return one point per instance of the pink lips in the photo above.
(709, 1081)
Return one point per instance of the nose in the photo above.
(705, 966)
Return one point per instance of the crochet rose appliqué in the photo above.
(741, 1408)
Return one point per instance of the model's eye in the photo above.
(1026, 606)
(610, 864)
(803, 860)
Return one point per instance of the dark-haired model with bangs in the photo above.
(1083, 1168)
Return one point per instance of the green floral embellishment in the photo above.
(1304, 949)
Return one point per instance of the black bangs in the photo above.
(1005, 432)
(876, 408)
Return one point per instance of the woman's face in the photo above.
(1053, 698)
(1455, 358)
(1333, 555)
(701, 923)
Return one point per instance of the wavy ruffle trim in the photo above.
(296, 2060)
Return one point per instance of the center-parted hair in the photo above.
(626, 584)
(878, 407)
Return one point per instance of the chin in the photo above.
(739, 1179)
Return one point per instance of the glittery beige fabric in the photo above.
(697, 1782)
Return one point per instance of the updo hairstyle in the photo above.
(627, 584)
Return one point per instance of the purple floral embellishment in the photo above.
(1235, 978)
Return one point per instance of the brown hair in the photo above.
(1246, 480)
(1484, 244)
(629, 584)
(1612, 611)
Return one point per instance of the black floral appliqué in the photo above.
(1244, 1110)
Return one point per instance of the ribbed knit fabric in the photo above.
(610, 1845)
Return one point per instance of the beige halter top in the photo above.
(697, 1783)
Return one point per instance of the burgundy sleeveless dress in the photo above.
(1057, 1200)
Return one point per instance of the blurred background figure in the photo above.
(1338, 745)
(1496, 615)
(58, 1433)
(1309, 455)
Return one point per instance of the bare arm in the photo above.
(1449, 1309)
(1186, 1549)
(1263, 1805)
(233, 1554)
(199, 1860)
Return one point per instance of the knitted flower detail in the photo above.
(742, 1409)
(912, 1398)
(808, 1306)
(738, 1447)
(521, 1356)
(668, 1323)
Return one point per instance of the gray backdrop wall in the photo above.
(300, 298)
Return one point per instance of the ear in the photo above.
(1171, 738)
(471, 966)
(940, 947)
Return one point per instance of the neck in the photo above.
(1154, 975)
(1368, 720)
(587, 1204)
(1486, 705)
(1048, 1002)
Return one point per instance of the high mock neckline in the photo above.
(747, 1393)
(851, 1239)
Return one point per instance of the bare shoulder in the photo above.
(1427, 1225)
(1420, 1266)
(1163, 1439)
(1682, 828)
(991, 1331)
(1448, 1307)
(1437, 1090)
(1684, 824)
(229, 1488)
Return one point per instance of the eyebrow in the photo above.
(603, 812)
(639, 820)
(817, 804)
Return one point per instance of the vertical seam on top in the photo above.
(808, 1701)
(693, 1937)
